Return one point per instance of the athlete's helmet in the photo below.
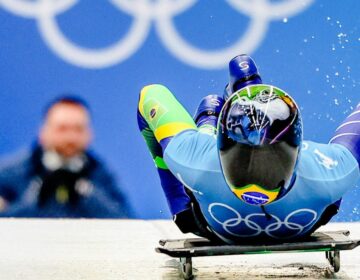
(242, 72)
(259, 139)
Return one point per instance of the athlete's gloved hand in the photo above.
(185, 221)
(208, 111)
(192, 220)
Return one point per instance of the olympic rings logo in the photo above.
(251, 225)
(144, 12)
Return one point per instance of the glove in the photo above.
(192, 220)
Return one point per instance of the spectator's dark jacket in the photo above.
(29, 190)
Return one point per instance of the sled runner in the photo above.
(331, 243)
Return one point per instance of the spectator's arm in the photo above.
(104, 198)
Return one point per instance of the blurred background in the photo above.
(106, 51)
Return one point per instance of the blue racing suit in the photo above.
(324, 173)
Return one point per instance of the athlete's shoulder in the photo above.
(325, 162)
(192, 157)
(194, 150)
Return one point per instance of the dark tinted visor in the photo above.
(268, 166)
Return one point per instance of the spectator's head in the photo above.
(66, 126)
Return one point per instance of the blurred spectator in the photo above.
(59, 177)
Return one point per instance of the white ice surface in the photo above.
(124, 249)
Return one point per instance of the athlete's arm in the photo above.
(348, 133)
(160, 117)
